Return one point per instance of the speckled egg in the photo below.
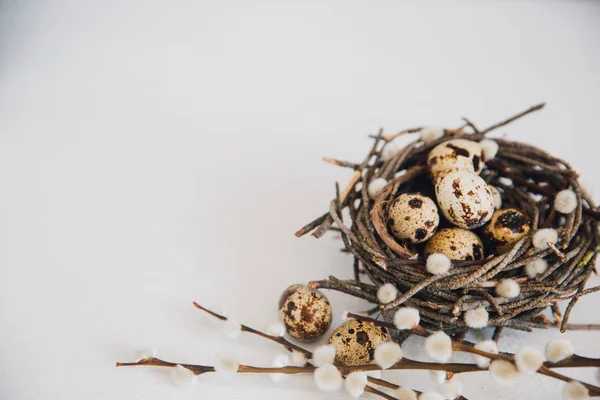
(305, 312)
(506, 227)
(355, 342)
(456, 244)
(455, 155)
(464, 199)
(413, 217)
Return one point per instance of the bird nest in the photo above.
(527, 178)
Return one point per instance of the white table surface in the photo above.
(154, 153)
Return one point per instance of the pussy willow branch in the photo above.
(290, 346)
(464, 347)
(402, 365)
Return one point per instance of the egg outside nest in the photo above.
(305, 312)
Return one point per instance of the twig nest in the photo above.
(305, 312)
(413, 217)
(456, 244)
(464, 199)
(506, 228)
(355, 342)
(455, 155)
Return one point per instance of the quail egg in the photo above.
(455, 155)
(506, 227)
(465, 199)
(413, 217)
(355, 342)
(456, 244)
(305, 312)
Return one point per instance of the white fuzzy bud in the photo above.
(431, 396)
(232, 328)
(226, 365)
(497, 197)
(451, 390)
(536, 267)
(344, 316)
(489, 346)
(406, 318)
(183, 377)
(298, 359)
(565, 201)
(355, 383)
(508, 288)
(439, 346)
(575, 391)
(276, 329)
(529, 360)
(323, 355)
(388, 354)
(477, 318)
(279, 361)
(406, 394)
(438, 264)
(504, 372)
(387, 293)
(438, 376)
(558, 350)
(328, 378)
(376, 186)
(390, 150)
(489, 148)
(541, 238)
(431, 133)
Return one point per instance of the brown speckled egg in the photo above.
(464, 199)
(453, 155)
(355, 342)
(305, 312)
(506, 227)
(456, 244)
(413, 217)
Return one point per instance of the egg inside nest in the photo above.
(355, 342)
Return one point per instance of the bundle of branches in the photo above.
(548, 256)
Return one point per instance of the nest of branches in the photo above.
(528, 179)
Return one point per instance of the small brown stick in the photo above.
(515, 117)
(389, 138)
(244, 328)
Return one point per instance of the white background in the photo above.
(153, 153)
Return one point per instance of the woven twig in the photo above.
(534, 178)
